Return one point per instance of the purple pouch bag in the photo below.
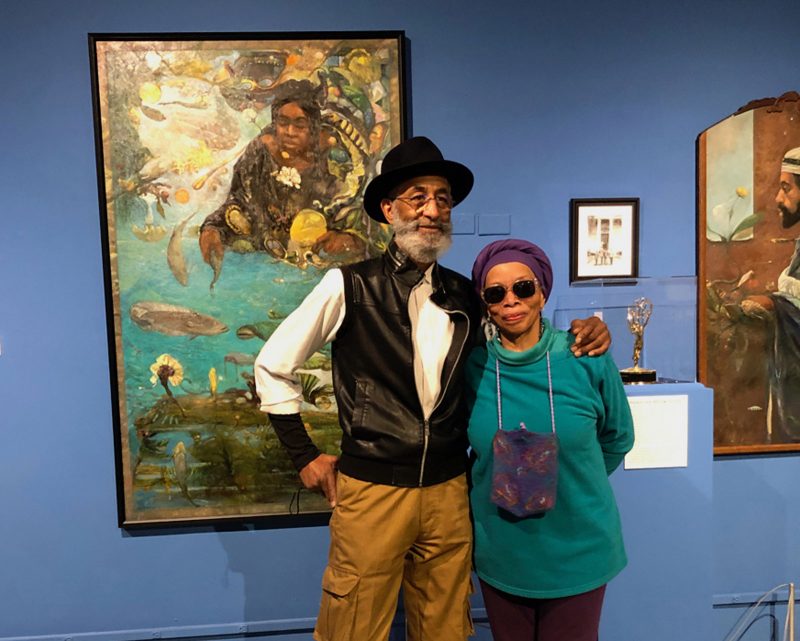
(525, 471)
(525, 464)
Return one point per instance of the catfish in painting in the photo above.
(174, 320)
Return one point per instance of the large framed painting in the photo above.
(231, 169)
(749, 275)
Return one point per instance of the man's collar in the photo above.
(404, 268)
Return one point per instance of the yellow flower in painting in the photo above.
(728, 221)
(166, 369)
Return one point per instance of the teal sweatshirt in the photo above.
(577, 546)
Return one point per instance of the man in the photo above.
(401, 328)
(784, 374)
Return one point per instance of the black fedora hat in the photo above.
(416, 156)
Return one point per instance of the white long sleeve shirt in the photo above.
(316, 321)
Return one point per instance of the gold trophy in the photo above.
(638, 316)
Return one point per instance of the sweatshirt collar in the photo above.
(531, 355)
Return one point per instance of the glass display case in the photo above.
(670, 337)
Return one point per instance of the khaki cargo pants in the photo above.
(384, 536)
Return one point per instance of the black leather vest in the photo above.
(386, 439)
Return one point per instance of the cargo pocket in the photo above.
(337, 611)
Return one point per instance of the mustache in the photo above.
(414, 225)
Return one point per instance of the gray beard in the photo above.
(422, 248)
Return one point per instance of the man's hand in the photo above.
(591, 336)
(320, 476)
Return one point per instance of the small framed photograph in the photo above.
(604, 238)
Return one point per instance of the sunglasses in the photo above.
(496, 293)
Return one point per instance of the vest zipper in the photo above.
(426, 434)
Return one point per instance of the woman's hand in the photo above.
(591, 336)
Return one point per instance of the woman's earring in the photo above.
(489, 327)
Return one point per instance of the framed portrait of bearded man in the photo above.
(749, 275)
(231, 170)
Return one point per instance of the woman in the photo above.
(543, 577)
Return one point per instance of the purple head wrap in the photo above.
(513, 250)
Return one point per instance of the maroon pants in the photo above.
(516, 618)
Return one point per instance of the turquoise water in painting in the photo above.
(252, 288)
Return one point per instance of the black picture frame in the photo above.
(604, 239)
(184, 126)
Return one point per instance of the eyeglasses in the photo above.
(418, 202)
(497, 293)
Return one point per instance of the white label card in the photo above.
(661, 427)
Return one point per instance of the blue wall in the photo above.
(545, 101)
